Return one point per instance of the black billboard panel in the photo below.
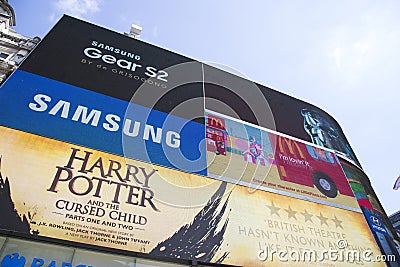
(97, 59)
(236, 97)
(242, 99)
(307, 122)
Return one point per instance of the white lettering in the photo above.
(151, 72)
(173, 139)
(148, 129)
(111, 124)
(108, 59)
(40, 104)
(94, 115)
(92, 52)
(127, 127)
(61, 105)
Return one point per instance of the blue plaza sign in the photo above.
(15, 260)
(375, 222)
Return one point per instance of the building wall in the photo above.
(14, 47)
(269, 184)
(395, 220)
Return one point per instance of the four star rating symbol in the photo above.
(291, 213)
(274, 211)
(322, 219)
(338, 223)
(307, 216)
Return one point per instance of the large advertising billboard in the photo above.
(110, 92)
(61, 111)
(239, 98)
(367, 200)
(68, 192)
(94, 58)
(94, 87)
(247, 154)
(110, 139)
(109, 63)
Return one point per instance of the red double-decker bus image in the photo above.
(217, 137)
(310, 166)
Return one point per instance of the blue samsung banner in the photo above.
(45, 107)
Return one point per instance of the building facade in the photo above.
(395, 220)
(121, 153)
(14, 47)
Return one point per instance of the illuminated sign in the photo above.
(98, 138)
(65, 112)
(104, 200)
(15, 260)
(375, 222)
(252, 156)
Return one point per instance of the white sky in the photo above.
(342, 55)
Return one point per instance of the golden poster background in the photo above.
(254, 218)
